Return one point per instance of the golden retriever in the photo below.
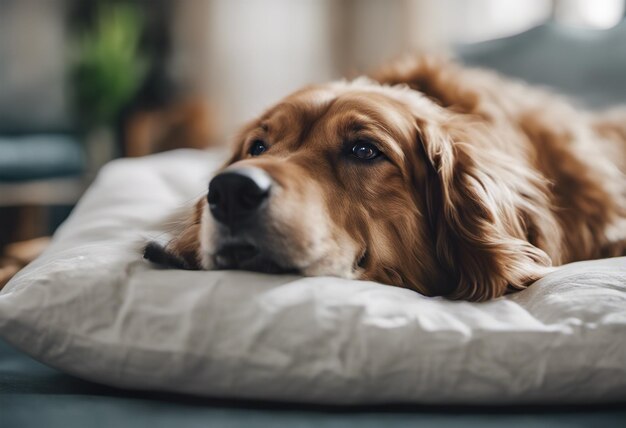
(428, 175)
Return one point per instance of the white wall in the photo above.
(251, 53)
(32, 64)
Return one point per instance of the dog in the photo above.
(428, 175)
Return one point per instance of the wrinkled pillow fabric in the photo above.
(92, 307)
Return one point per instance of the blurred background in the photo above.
(83, 82)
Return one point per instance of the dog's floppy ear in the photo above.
(483, 208)
(183, 250)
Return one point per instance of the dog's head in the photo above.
(364, 181)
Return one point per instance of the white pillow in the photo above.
(92, 307)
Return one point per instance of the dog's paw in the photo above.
(157, 253)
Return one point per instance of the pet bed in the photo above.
(92, 307)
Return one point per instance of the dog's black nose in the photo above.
(237, 194)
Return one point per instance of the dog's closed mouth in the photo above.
(247, 256)
(236, 254)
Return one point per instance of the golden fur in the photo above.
(485, 183)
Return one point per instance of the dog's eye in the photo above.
(365, 151)
(257, 147)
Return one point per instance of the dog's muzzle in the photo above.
(238, 199)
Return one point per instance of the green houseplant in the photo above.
(107, 68)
